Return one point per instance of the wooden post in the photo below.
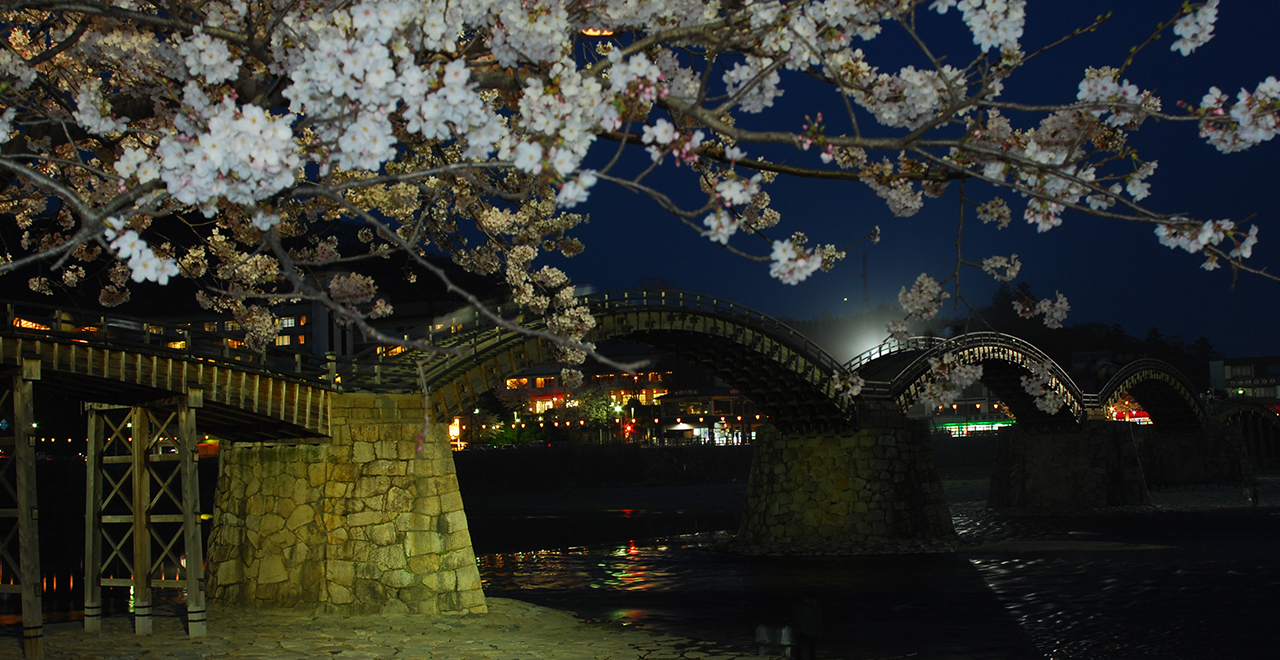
(139, 444)
(28, 514)
(187, 440)
(93, 524)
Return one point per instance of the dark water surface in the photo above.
(1134, 584)
(1147, 584)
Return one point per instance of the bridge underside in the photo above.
(1005, 379)
(793, 404)
(220, 420)
(1165, 404)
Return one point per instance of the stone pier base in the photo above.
(369, 523)
(1216, 454)
(871, 491)
(1093, 467)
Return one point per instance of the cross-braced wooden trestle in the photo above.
(18, 510)
(142, 498)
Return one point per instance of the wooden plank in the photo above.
(195, 582)
(28, 530)
(93, 525)
(142, 622)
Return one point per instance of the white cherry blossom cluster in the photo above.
(237, 153)
(143, 263)
(93, 112)
(1195, 238)
(1254, 119)
(908, 99)
(1137, 187)
(923, 300)
(1053, 186)
(1195, 29)
(947, 381)
(994, 23)
(136, 162)
(737, 191)
(791, 263)
(14, 67)
(6, 124)
(1040, 385)
(1003, 269)
(753, 95)
(208, 57)
(1128, 105)
(898, 330)
(564, 120)
(637, 77)
(997, 211)
(720, 224)
(900, 195)
(1054, 310)
(528, 31)
(848, 386)
(575, 191)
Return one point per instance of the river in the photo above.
(1196, 577)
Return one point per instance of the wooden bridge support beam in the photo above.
(93, 523)
(134, 449)
(27, 511)
(192, 537)
(139, 445)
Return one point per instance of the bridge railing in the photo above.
(376, 368)
(469, 327)
(891, 346)
(711, 306)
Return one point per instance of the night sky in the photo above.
(1112, 272)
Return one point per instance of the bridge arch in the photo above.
(781, 371)
(1005, 360)
(1161, 390)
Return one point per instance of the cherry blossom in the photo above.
(947, 380)
(924, 299)
(1195, 29)
(461, 130)
(791, 263)
(1003, 269)
(1039, 384)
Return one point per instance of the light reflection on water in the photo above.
(1181, 586)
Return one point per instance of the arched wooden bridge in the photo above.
(281, 394)
(783, 372)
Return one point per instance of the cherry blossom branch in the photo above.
(469, 297)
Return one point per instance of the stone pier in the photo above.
(870, 491)
(1094, 466)
(369, 522)
(1214, 454)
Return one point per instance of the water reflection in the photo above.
(1100, 587)
(682, 586)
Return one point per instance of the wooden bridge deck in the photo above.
(238, 403)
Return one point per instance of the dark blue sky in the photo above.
(1112, 272)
